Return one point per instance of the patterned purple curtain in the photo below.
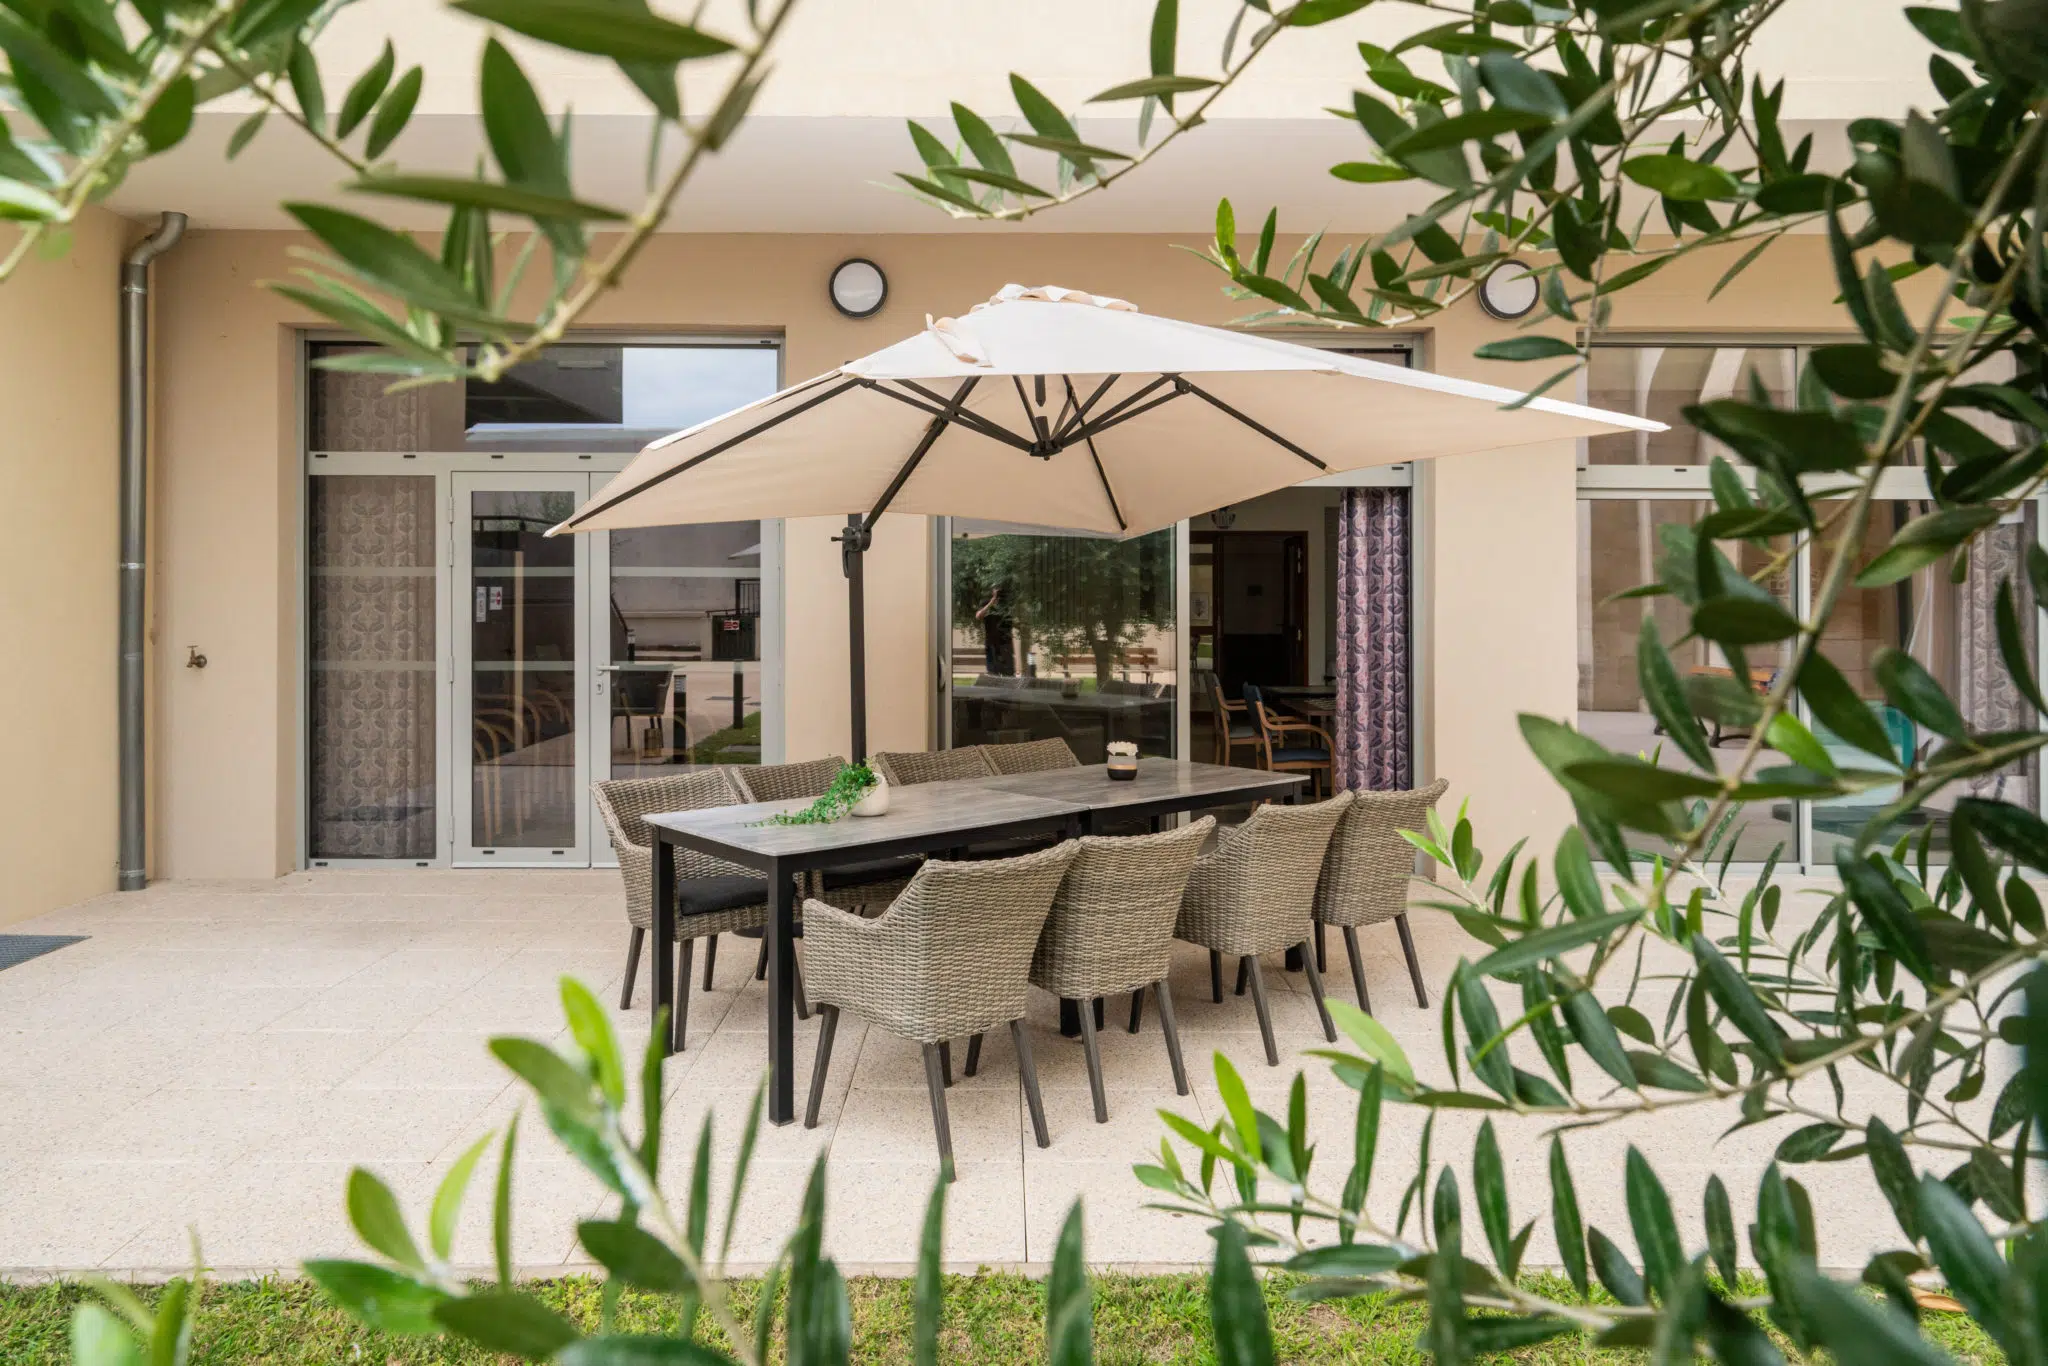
(1372, 724)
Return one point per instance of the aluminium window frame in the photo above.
(443, 466)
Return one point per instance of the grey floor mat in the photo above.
(19, 948)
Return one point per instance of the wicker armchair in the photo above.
(1031, 756)
(1111, 931)
(1366, 872)
(1256, 894)
(785, 782)
(712, 896)
(948, 959)
(906, 768)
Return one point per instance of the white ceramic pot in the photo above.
(875, 800)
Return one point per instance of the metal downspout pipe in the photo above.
(133, 863)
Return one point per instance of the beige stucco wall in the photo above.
(1496, 540)
(58, 560)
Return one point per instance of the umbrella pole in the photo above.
(853, 554)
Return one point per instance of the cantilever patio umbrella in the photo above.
(1054, 408)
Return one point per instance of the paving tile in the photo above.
(875, 1213)
(73, 1216)
(197, 1126)
(298, 1060)
(431, 1062)
(396, 1127)
(1117, 1229)
(896, 1125)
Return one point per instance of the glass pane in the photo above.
(1620, 542)
(1951, 630)
(1662, 381)
(522, 604)
(1064, 636)
(579, 396)
(685, 679)
(370, 647)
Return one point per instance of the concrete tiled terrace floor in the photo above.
(218, 1056)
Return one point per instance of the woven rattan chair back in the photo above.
(625, 802)
(951, 955)
(1111, 927)
(1031, 756)
(1255, 894)
(906, 768)
(1366, 871)
(785, 782)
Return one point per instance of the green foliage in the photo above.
(1068, 595)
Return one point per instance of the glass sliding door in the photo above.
(1066, 636)
(680, 633)
(371, 778)
(522, 677)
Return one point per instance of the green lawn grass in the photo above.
(990, 1318)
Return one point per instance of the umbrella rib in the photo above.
(1082, 428)
(1035, 421)
(1100, 473)
(719, 449)
(1116, 417)
(1069, 425)
(1261, 428)
(924, 444)
(936, 405)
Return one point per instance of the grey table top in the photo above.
(926, 810)
(1158, 780)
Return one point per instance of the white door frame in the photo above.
(467, 853)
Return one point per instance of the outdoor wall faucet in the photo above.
(193, 659)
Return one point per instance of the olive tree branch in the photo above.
(83, 179)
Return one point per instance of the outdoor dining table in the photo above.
(922, 819)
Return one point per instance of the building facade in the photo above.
(354, 569)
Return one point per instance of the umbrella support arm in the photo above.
(853, 551)
(853, 546)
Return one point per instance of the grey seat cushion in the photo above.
(703, 895)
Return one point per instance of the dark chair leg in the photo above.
(796, 985)
(761, 960)
(710, 960)
(1243, 974)
(1093, 1051)
(632, 967)
(1029, 1071)
(1322, 954)
(1097, 1009)
(686, 954)
(1137, 1009)
(1265, 1015)
(1357, 967)
(946, 1061)
(973, 1055)
(935, 1083)
(828, 1025)
(1315, 989)
(1414, 967)
(1171, 1029)
(1216, 977)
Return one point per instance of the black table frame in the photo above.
(781, 870)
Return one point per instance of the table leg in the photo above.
(664, 922)
(780, 937)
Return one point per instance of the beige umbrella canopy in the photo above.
(1053, 408)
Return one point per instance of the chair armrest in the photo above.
(845, 956)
